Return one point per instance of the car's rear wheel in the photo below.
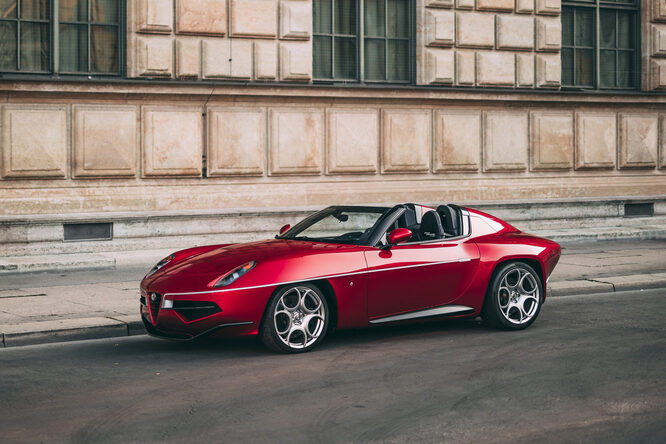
(514, 297)
(296, 319)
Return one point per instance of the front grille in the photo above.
(193, 310)
(154, 301)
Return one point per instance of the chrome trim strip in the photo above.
(437, 311)
(316, 278)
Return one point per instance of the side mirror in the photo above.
(285, 228)
(399, 235)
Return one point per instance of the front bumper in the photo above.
(155, 332)
(188, 316)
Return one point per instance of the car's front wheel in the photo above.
(514, 297)
(296, 319)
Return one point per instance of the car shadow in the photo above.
(249, 346)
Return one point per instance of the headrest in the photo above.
(431, 226)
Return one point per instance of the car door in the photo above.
(416, 276)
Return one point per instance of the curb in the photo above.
(607, 284)
(61, 262)
(48, 332)
(65, 330)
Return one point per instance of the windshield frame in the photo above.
(292, 233)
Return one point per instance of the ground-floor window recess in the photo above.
(644, 209)
(87, 232)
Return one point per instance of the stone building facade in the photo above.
(215, 109)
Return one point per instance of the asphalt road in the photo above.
(591, 369)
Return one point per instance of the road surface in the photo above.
(591, 369)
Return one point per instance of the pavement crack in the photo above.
(602, 282)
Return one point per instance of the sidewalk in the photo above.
(44, 307)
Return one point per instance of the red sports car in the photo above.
(348, 267)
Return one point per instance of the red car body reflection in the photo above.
(363, 284)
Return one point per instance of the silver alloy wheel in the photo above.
(299, 317)
(518, 296)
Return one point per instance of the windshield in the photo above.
(344, 225)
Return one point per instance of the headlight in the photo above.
(160, 264)
(230, 277)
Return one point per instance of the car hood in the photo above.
(272, 256)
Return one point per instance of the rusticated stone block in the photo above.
(154, 56)
(495, 68)
(439, 3)
(659, 10)
(440, 27)
(552, 140)
(296, 141)
(406, 140)
(227, 59)
(596, 140)
(188, 58)
(105, 140)
(254, 18)
(524, 6)
(464, 4)
(548, 7)
(494, 5)
(475, 30)
(236, 141)
(154, 16)
(265, 60)
(440, 66)
(525, 70)
(658, 74)
(638, 140)
(457, 140)
(172, 141)
(295, 20)
(658, 40)
(35, 141)
(296, 61)
(505, 141)
(353, 140)
(549, 70)
(202, 17)
(465, 68)
(549, 34)
(515, 32)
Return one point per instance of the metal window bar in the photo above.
(632, 6)
(54, 23)
(89, 23)
(360, 44)
(19, 21)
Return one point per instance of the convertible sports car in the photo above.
(348, 267)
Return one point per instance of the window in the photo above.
(599, 44)
(376, 48)
(60, 36)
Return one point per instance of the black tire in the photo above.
(514, 285)
(286, 328)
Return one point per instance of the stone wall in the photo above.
(147, 148)
(244, 40)
(498, 43)
(654, 43)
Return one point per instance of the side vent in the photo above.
(639, 209)
(195, 310)
(87, 232)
